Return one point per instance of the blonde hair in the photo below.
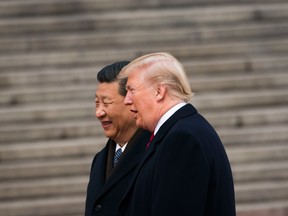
(162, 67)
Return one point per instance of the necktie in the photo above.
(151, 138)
(117, 156)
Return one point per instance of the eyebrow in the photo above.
(103, 98)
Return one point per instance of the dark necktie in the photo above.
(117, 156)
(151, 138)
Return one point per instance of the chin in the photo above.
(138, 124)
(109, 135)
(141, 126)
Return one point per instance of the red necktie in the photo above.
(151, 138)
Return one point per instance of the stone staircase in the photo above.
(236, 55)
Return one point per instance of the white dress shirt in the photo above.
(167, 115)
(118, 146)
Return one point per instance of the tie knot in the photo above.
(117, 156)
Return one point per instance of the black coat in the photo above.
(185, 172)
(107, 185)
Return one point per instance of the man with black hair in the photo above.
(112, 168)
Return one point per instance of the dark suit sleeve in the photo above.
(181, 177)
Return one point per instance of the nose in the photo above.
(99, 113)
(128, 100)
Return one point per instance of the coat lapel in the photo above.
(183, 112)
(131, 156)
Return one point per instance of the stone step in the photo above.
(49, 131)
(26, 95)
(43, 187)
(77, 147)
(141, 38)
(267, 115)
(261, 191)
(267, 208)
(273, 48)
(47, 112)
(241, 81)
(16, 8)
(25, 166)
(248, 64)
(149, 19)
(48, 95)
(253, 136)
(232, 100)
(50, 206)
(244, 155)
(31, 8)
(271, 170)
(49, 77)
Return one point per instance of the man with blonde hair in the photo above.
(185, 169)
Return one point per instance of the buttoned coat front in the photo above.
(108, 184)
(185, 172)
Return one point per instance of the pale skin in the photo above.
(147, 101)
(115, 117)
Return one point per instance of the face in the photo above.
(115, 117)
(140, 97)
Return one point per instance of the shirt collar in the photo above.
(118, 146)
(167, 115)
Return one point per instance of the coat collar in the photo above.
(183, 112)
(129, 160)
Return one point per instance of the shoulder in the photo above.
(103, 152)
(140, 136)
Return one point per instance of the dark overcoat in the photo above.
(184, 172)
(108, 184)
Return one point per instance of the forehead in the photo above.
(107, 90)
(136, 77)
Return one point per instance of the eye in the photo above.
(132, 91)
(97, 103)
(107, 104)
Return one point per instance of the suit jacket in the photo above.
(107, 185)
(185, 171)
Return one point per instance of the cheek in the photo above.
(145, 104)
(124, 114)
(140, 102)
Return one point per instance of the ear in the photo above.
(160, 91)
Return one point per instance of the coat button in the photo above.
(98, 208)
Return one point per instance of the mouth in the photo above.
(106, 124)
(135, 112)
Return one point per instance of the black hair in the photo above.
(109, 74)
